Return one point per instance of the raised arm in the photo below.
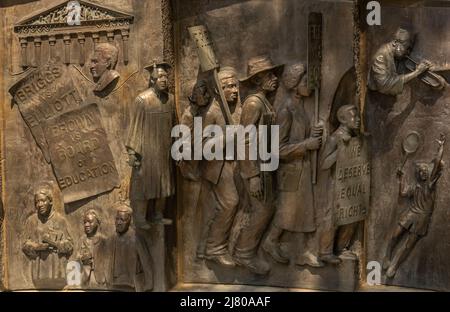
(437, 161)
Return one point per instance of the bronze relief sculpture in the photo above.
(81, 115)
(337, 239)
(102, 66)
(153, 116)
(222, 175)
(93, 253)
(46, 241)
(263, 76)
(383, 75)
(414, 222)
(295, 210)
(406, 96)
(127, 273)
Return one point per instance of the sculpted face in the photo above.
(269, 81)
(200, 94)
(353, 121)
(43, 204)
(230, 89)
(98, 65)
(123, 220)
(90, 224)
(160, 78)
(401, 48)
(422, 171)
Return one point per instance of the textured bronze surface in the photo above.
(92, 199)
(80, 154)
(352, 189)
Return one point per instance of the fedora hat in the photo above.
(157, 64)
(261, 64)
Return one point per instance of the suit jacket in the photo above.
(96, 275)
(256, 110)
(295, 203)
(383, 74)
(126, 269)
(211, 170)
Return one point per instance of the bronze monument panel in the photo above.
(243, 225)
(406, 110)
(311, 148)
(72, 226)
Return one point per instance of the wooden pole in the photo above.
(224, 105)
(314, 60)
(316, 122)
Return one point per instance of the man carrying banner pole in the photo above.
(209, 62)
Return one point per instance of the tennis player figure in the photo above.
(415, 220)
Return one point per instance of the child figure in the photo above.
(415, 220)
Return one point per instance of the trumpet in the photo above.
(428, 77)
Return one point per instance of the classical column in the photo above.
(67, 43)
(110, 36)
(125, 36)
(95, 39)
(23, 51)
(81, 41)
(52, 43)
(37, 51)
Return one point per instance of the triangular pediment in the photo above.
(90, 13)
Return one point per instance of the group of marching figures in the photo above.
(270, 204)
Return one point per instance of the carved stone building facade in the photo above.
(94, 197)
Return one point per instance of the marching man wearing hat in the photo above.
(222, 176)
(257, 110)
(148, 144)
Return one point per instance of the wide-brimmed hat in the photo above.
(261, 64)
(157, 64)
